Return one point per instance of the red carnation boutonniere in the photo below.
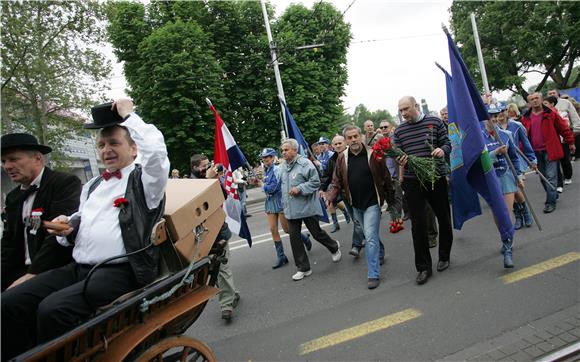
(39, 211)
(120, 203)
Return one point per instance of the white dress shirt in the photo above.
(99, 233)
(26, 210)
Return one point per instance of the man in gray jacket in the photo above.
(300, 184)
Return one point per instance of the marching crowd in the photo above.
(44, 266)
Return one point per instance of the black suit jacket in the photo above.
(59, 194)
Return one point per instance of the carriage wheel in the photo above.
(180, 349)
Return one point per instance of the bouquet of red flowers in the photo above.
(396, 226)
(424, 167)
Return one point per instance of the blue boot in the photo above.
(306, 240)
(518, 215)
(335, 226)
(507, 253)
(527, 215)
(346, 215)
(282, 259)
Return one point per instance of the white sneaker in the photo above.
(567, 181)
(300, 275)
(559, 189)
(337, 256)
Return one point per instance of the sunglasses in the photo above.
(384, 127)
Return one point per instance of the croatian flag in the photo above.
(227, 152)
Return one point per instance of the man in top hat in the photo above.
(117, 213)
(42, 194)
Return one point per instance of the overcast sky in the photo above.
(394, 47)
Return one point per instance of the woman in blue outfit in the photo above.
(272, 186)
(508, 181)
(508, 121)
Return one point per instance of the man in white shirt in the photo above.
(116, 215)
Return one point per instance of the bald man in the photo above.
(410, 137)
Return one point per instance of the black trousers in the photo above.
(10, 275)
(565, 169)
(417, 196)
(298, 250)
(52, 303)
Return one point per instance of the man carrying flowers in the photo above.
(422, 143)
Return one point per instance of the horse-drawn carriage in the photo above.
(147, 324)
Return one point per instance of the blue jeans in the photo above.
(370, 220)
(550, 170)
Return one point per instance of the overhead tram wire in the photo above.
(395, 38)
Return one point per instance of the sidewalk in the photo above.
(536, 340)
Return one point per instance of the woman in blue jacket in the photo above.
(272, 187)
(508, 121)
(508, 181)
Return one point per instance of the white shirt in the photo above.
(26, 210)
(566, 106)
(99, 236)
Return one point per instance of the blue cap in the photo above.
(268, 152)
(495, 108)
(323, 140)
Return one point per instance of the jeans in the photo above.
(550, 170)
(358, 236)
(370, 220)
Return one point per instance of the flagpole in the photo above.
(275, 64)
(495, 127)
(479, 55)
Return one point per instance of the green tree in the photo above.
(519, 38)
(314, 80)
(362, 113)
(50, 66)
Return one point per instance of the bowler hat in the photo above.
(104, 116)
(23, 141)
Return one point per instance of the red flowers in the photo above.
(396, 226)
(121, 202)
(39, 210)
(430, 126)
(383, 145)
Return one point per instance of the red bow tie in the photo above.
(107, 175)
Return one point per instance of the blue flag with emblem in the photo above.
(294, 132)
(472, 171)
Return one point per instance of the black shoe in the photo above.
(335, 228)
(549, 208)
(354, 252)
(248, 215)
(373, 283)
(236, 300)
(442, 265)
(280, 262)
(423, 276)
(227, 315)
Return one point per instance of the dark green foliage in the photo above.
(177, 53)
(518, 38)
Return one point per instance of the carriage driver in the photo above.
(116, 215)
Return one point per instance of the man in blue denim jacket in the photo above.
(300, 184)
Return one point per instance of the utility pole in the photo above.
(274, 55)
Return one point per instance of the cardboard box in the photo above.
(190, 202)
(194, 249)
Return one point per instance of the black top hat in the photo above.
(23, 141)
(104, 116)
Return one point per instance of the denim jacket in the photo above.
(272, 182)
(300, 173)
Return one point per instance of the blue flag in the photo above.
(294, 132)
(471, 167)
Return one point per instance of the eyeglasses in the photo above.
(384, 127)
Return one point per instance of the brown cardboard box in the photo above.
(192, 249)
(190, 202)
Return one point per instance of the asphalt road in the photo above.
(331, 315)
